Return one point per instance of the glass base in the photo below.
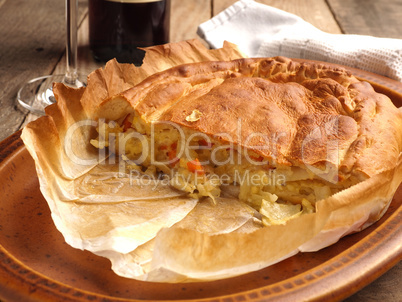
(37, 93)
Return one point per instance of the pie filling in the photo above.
(202, 166)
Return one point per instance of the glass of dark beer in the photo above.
(117, 28)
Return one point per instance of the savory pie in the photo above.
(277, 133)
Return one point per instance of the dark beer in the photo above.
(117, 29)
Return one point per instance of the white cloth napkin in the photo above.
(263, 31)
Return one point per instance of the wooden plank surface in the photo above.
(369, 17)
(186, 16)
(22, 57)
(32, 39)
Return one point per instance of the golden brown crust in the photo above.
(305, 114)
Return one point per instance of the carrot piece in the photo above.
(195, 166)
(255, 158)
(126, 123)
(172, 154)
(204, 143)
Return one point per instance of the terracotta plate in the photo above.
(36, 263)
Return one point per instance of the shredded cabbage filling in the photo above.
(205, 167)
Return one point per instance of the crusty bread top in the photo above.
(292, 113)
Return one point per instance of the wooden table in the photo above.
(32, 44)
